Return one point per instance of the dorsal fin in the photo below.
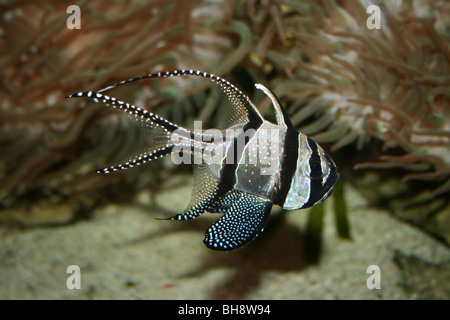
(280, 113)
(238, 99)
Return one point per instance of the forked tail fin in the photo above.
(138, 160)
(159, 129)
(140, 114)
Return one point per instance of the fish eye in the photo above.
(315, 170)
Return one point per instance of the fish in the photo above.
(240, 171)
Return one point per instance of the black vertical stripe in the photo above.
(288, 167)
(333, 175)
(316, 191)
(228, 172)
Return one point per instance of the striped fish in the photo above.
(252, 165)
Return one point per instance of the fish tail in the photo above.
(139, 160)
(160, 130)
(141, 114)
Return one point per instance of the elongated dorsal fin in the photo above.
(237, 98)
(280, 113)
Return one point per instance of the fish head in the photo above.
(314, 177)
(322, 174)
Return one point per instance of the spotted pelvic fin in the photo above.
(242, 222)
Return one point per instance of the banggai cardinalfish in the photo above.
(242, 170)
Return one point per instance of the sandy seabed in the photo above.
(124, 253)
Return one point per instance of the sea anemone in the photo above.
(349, 85)
(390, 83)
(51, 146)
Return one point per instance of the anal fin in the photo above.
(203, 193)
(192, 213)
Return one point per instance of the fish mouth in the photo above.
(329, 185)
(320, 195)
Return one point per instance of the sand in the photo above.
(124, 253)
